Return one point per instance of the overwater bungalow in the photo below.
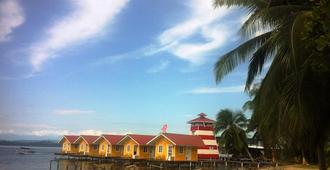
(107, 145)
(176, 147)
(135, 146)
(68, 145)
(86, 145)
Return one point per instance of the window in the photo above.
(160, 148)
(128, 148)
(181, 149)
(117, 147)
(81, 146)
(145, 149)
(64, 146)
(95, 147)
(75, 146)
(211, 147)
(102, 148)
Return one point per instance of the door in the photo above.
(152, 152)
(169, 152)
(135, 150)
(188, 153)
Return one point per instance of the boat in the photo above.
(24, 151)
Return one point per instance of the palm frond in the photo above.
(231, 60)
(250, 4)
(268, 18)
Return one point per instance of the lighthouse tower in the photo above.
(203, 127)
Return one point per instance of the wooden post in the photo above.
(50, 165)
(258, 166)
(226, 164)
(241, 164)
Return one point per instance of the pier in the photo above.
(82, 162)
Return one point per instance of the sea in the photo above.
(39, 160)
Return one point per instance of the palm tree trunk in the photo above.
(321, 156)
(273, 155)
(304, 162)
(248, 152)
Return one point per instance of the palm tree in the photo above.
(249, 105)
(292, 105)
(233, 135)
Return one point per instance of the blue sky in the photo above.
(113, 66)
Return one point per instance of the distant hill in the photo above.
(43, 143)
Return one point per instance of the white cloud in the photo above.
(91, 132)
(205, 22)
(72, 112)
(216, 90)
(48, 133)
(11, 16)
(163, 65)
(88, 20)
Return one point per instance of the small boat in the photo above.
(24, 151)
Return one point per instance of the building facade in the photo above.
(204, 127)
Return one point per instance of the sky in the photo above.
(113, 66)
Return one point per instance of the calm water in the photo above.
(10, 160)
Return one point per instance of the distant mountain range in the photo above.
(43, 143)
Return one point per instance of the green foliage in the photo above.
(291, 108)
(231, 125)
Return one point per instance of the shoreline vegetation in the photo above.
(35, 143)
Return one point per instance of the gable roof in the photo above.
(69, 138)
(201, 119)
(112, 139)
(139, 139)
(180, 139)
(89, 139)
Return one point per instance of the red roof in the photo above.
(141, 139)
(71, 138)
(201, 119)
(113, 139)
(89, 138)
(183, 140)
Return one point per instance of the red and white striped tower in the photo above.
(203, 127)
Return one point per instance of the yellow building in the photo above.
(135, 146)
(68, 145)
(108, 147)
(176, 147)
(86, 145)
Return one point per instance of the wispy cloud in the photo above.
(11, 16)
(91, 132)
(216, 90)
(204, 22)
(89, 19)
(161, 66)
(72, 112)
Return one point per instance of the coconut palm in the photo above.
(292, 105)
(231, 125)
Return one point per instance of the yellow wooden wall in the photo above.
(93, 151)
(175, 152)
(142, 154)
(164, 143)
(140, 150)
(103, 148)
(66, 146)
(129, 153)
(113, 152)
(74, 148)
(116, 153)
(83, 147)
